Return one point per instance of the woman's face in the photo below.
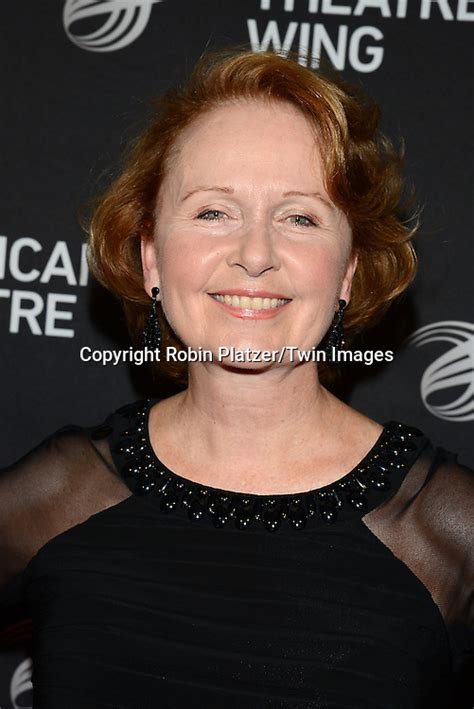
(243, 212)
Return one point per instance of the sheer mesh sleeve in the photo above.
(428, 524)
(60, 483)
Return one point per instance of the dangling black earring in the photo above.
(335, 337)
(151, 332)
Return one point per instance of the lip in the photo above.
(250, 293)
(248, 313)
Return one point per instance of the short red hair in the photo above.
(363, 175)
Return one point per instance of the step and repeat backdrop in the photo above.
(77, 77)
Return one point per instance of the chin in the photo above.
(254, 367)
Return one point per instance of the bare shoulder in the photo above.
(447, 491)
(67, 460)
(59, 483)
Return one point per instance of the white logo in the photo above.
(120, 22)
(21, 682)
(452, 370)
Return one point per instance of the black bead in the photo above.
(328, 513)
(381, 466)
(168, 502)
(219, 516)
(144, 487)
(297, 518)
(271, 513)
(358, 484)
(310, 504)
(188, 498)
(357, 499)
(408, 447)
(378, 481)
(163, 485)
(196, 510)
(243, 521)
(272, 520)
(126, 448)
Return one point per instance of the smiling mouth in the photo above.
(245, 303)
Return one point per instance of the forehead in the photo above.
(271, 137)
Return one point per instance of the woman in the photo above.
(250, 541)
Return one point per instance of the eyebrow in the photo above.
(230, 190)
(317, 195)
(227, 190)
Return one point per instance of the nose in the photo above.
(254, 250)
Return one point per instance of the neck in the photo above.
(274, 431)
(239, 414)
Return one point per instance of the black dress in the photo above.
(148, 590)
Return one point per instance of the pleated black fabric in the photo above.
(142, 606)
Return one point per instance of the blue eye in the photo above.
(210, 211)
(309, 222)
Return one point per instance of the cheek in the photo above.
(186, 266)
(320, 270)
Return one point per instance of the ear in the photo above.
(149, 263)
(348, 276)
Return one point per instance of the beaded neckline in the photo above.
(391, 455)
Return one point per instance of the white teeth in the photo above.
(244, 301)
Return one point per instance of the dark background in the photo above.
(67, 113)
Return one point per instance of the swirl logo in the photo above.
(21, 683)
(120, 22)
(453, 370)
